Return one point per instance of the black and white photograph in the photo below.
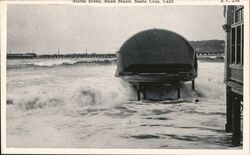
(125, 77)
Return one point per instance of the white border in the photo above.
(3, 28)
(244, 151)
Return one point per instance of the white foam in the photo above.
(54, 63)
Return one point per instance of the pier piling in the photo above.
(193, 85)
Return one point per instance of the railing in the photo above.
(210, 53)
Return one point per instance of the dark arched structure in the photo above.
(156, 56)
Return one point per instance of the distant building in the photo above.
(234, 61)
(21, 56)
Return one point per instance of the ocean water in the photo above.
(79, 103)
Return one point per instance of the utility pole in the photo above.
(58, 51)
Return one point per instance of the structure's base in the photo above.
(158, 91)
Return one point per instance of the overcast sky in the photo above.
(72, 29)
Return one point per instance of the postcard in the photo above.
(125, 77)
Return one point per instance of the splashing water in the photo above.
(85, 106)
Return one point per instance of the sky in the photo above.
(73, 29)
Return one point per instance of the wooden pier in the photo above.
(57, 56)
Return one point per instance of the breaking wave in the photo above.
(75, 96)
(11, 64)
(83, 97)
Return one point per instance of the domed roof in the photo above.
(157, 46)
